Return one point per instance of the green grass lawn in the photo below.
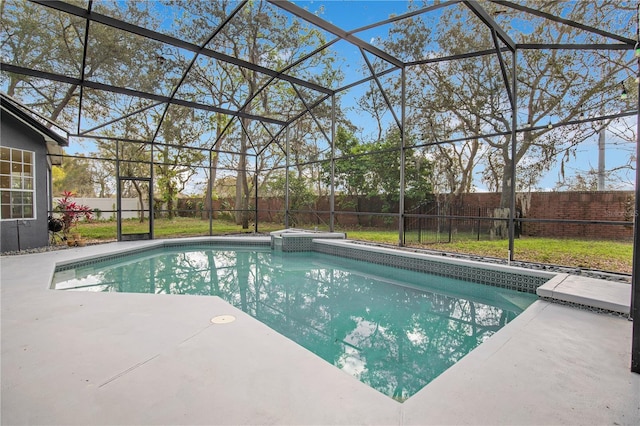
(613, 256)
(164, 228)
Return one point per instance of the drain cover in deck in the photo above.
(223, 319)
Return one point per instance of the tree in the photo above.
(208, 77)
(176, 162)
(74, 175)
(41, 38)
(133, 160)
(466, 98)
(370, 169)
(301, 195)
(621, 136)
(580, 182)
(262, 35)
(350, 172)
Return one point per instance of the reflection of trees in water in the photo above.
(396, 339)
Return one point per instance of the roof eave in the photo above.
(22, 113)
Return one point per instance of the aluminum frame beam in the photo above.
(193, 61)
(381, 88)
(458, 56)
(313, 116)
(337, 31)
(264, 86)
(563, 21)
(84, 63)
(489, 22)
(578, 46)
(130, 92)
(406, 15)
(163, 38)
(503, 70)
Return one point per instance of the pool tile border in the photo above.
(492, 275)
(585, 307)
(496, 275)
(123, 253)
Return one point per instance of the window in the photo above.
(16, 184)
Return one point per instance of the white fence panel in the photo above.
(107, 207)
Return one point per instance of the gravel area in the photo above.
(47, 248)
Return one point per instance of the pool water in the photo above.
(393, 329)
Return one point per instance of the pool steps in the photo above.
(295, 240)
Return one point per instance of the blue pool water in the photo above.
(393, 329)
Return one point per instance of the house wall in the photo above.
(26, 233)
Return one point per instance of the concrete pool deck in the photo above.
(119, 359)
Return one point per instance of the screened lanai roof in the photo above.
(96, 66)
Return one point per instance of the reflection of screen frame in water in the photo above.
(355, 328)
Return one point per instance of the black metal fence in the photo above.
(446, 222)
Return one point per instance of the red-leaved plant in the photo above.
(71, 212)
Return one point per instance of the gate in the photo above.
(135, 223)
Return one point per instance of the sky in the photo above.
(354, 14)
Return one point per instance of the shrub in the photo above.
(71, 212)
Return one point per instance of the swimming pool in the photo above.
(393, 329)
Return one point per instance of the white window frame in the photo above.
(18, 181)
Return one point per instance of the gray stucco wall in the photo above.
(27, 233)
